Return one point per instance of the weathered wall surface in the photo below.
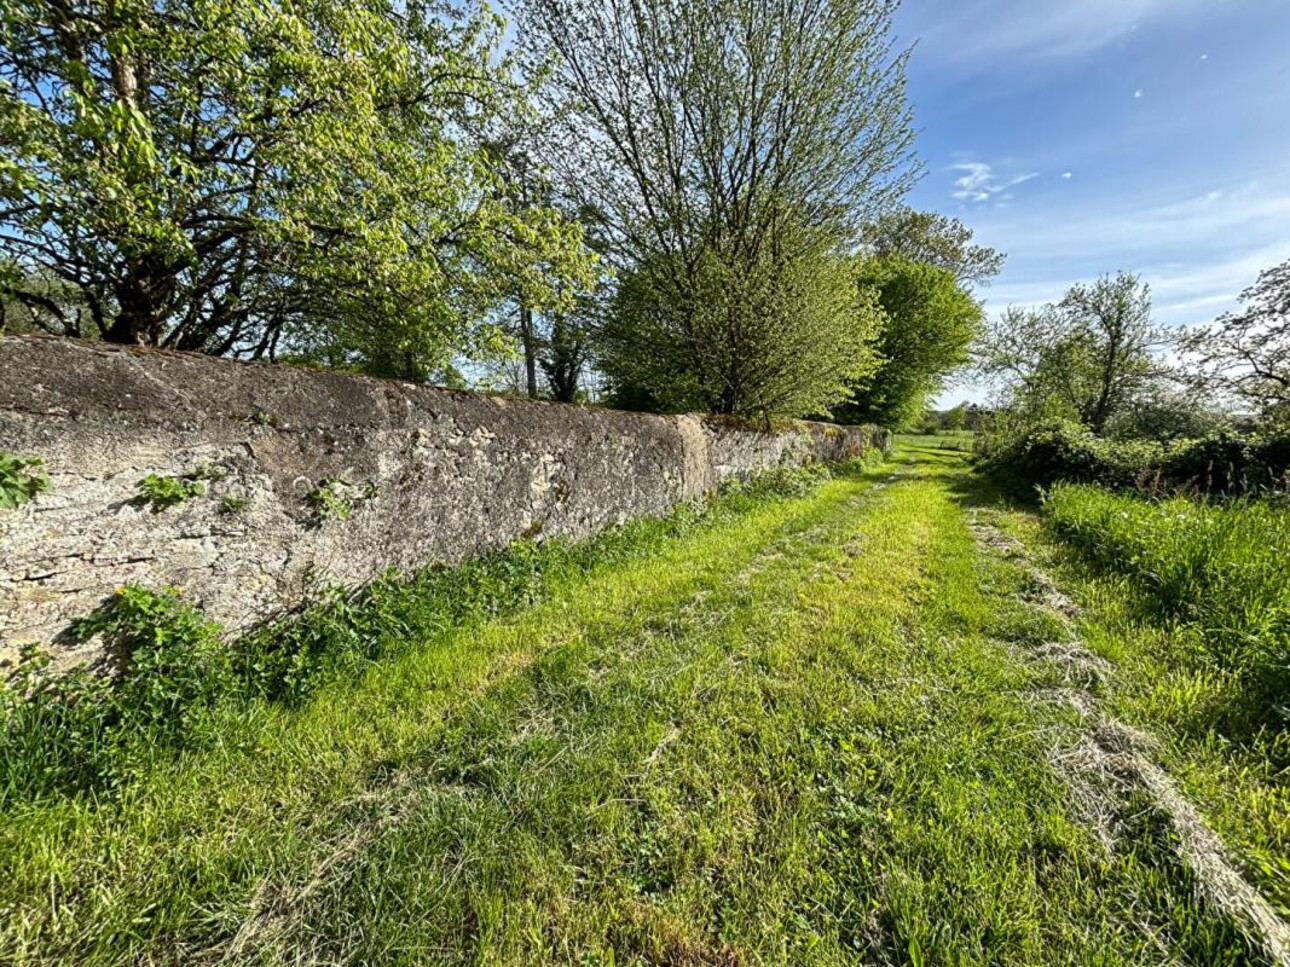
(431, 475)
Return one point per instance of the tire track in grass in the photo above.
(420, 783)
(540, 724)
(1110, 750)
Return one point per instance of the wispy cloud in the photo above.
(1197, 252)
(985, 30)
(979, 183)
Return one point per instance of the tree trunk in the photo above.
(530, 350)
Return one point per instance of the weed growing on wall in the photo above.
(160, 492)
(84, 733)
(21, 479)
(330, 501)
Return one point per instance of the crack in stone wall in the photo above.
(432, 475)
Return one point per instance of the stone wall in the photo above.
(428, 475)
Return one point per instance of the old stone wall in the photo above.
(426, 475)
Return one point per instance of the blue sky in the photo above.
(1087, 136)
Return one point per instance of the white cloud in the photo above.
(1068, 175)
(1138, 92)
(1197, 252)
(986, 30)
(979, 182)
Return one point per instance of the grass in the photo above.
(799, 731)
(1189, 601)
(1223, 568)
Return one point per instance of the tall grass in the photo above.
(1222, 567)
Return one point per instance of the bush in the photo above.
(1224, 568)
(1222, 463)
(1062, 450)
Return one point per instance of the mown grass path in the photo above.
(809, 735)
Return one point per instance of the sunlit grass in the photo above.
(1173, 594)
(798, 734)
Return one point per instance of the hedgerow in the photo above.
(1222, 463)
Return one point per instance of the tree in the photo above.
(564, 355)
(749, 338)
(730, 149)
(1088, 357)
(929, 323)
(228, 176)
(933, 239)
(1247, 353)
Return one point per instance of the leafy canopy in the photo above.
(928, 324)
(1087, 358)
(232, 175)
(936, 240)
(1246, 354)
(729, 152)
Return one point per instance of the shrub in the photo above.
(1223, 462)
(1064, 450)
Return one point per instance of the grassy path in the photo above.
(811, 734)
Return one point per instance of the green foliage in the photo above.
(173, 678)
(1220, 463)
(929, 323)
(330, 500)
(229, 176)
(1087, 358)
(1247, 353)
(229, 504)
(728, 154)
(82, 730)
(161, 492)
(933, 239)
(1224, 568)
(21, 479)
(785, 338)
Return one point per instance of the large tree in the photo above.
(1088, 357)
(731, 149)
(933, 239)
(1246, 353)
(929, 323)
(232, 175)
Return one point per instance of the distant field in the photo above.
(958, 440)
(823, 723)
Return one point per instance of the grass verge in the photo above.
(1183, 600)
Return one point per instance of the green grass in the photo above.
(1189, 601)
(959, 441)
(799, 731)
(1221, 568)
